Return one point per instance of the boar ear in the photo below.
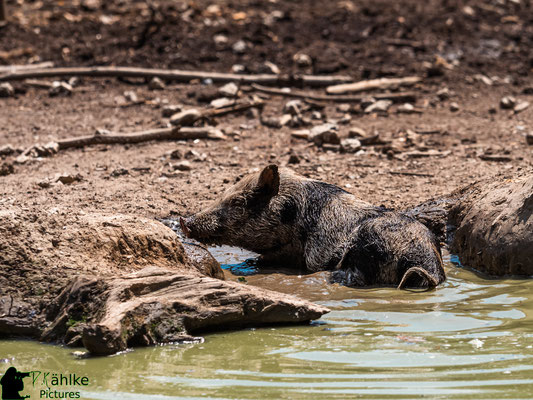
(268, 182)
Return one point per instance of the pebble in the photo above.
(507, 102)
(529, 138)
(186, 117)
(293, 107)
(229, 90)
(60, 88)
(285, 119)
(6, 150)
(182, 166)
(238, 69)
(170, 110)
(6, 90)
(119, 172)
(222, 102)
(6, 169)
(239, 47)
(443, 94)
(294, 159)
(131, 96)
(355, 132)
(521, 106)
(176, 154)
(67, 179)
(408, 108)
(454, 107)
(220, 40)
(156, 84)
(350, 145)
(302, 60)
(379, 106)
(325, 133)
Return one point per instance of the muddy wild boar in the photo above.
(297, 222)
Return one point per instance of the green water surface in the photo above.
(471, 338)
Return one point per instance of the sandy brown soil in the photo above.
(492, 38)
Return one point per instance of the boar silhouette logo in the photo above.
(12, 384)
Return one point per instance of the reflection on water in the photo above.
(468, 339)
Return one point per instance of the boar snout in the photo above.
(203, 227)
(183, 224)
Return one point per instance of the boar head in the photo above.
(244, 216)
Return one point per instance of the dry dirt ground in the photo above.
(479, 50)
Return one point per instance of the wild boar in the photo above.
(293, 221)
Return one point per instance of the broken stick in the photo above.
(178, 75)
(383, 83)
(175, 133)
(395, 97)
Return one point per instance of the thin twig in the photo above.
(179, 75)
(395, 97)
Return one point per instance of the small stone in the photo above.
(271, 68)
(220, 40)
(316, 115)
(345, 120)
(507, 102)
(222, 102)
(156, 84)
(6, 169)
(325, 133)
(521, 106)
(454, 107)
(45, 183)
(176, 154)
(170, 110)
(367, 101)
(22, 159)
(6, 150)
(443, 94)
(67, 179)
(239, 47)
(350, 145)
(238, 69)
(186, 117)
(119, 172)
(301, 134)
(408, 108)
(182, 166)
(293, 107)
(60, 88)
(483, 78)
(529, 138)
(356, 132)
(302, 60)
(344, 107)
(6, 90)
(195, 156)
(131, 96)
(229, 90)
(294, 159)
(285, 119)
(380, 106)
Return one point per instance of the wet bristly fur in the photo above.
(298, 222)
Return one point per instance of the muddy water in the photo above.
(471, 338)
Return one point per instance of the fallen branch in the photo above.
(178, 75)
(395, 97)
(406, 173)
(25, 67)
(175, 133)
(383, 83)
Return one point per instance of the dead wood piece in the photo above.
(382, 83)
(395, 97)
(407, 173)
(25, 67)
(175, 133)
(178, 75)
